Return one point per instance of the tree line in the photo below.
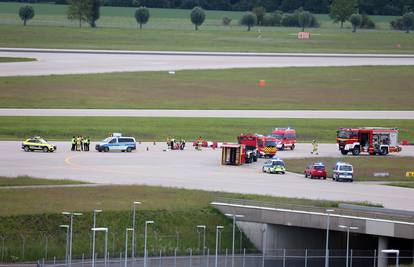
(370, 7)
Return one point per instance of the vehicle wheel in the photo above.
(283, 172)
(26, 148)
(324, 178)
(306, 175)
(106, 149)
(384, 151)
(292, 147)
(128, 149)
(263, 170)
(311, 177)
(344, 152)
(45, 149)
(99, 150)
(282, 148)
(356, 151)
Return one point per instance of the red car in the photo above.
(315, 170)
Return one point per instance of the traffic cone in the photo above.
(262, 83)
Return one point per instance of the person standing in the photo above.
(73, 143)
(314, 147)
(78, 143)
(87, 143)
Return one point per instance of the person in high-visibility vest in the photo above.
(73, 143)
(314, 147)
(88, 142)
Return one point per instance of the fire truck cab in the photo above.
(285, 138)
(371, 140)
(266, 146)
(250, 142)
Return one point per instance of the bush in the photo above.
(397, 24)
(367, 22)
(249, 19)
(142, 16)
(197, 17)
(292, 20)
(356, 20)
(272, 19)
(226, 21)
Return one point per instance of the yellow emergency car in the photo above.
(37, 143)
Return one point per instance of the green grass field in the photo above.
(348, 88)
(15, 59)
(406, 185)
(151, 129)
(173, 210)
(27, 181)
(364, 167)
(172, 30)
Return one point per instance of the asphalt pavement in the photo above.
(65, 61)
(305, 114)
(194, 170)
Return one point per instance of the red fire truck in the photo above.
(250, 142)
(372, 140)
(266, 146)
(285, 138)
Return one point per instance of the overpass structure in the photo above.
(275, 227)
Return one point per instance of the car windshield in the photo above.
(319, 168)
(106, 140)
(344, 134)
(346, 168)
(270, 143)
(42, 141)
(277, 136)
(278, 163)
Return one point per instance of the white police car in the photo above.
(117, 142)
(275, 165)
(343, 172)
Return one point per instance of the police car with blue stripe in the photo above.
(117, 142)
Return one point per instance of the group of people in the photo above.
(80, 143)
(175, 145)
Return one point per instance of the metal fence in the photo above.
(272, 258)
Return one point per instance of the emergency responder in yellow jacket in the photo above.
(86, 144)
(73, 143)
(314, 147)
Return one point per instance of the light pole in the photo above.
(218, 230)
(327, 238)
(65, 226)
(126, 245)
(393, 251)
(71, 214)
(199, 229)
(102, 229)
(145, 242)
(134, 204)
(347, 239)
(234, 234)
(93, 236)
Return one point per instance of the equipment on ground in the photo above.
(233, 154)
(274, 166)
(371, 140)
(37, 143)
(285, 138)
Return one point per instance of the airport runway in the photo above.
(194, 170)
(301, 114)
(61, 61)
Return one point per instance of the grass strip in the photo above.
(27, 181)
(158, 129)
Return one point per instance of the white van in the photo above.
(343, 172)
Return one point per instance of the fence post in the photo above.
(160, 258)
(54, 260)
(191, 256)
(306, 258)
(284, 257)
(120, 259)
(244, 257)
(23, 244)
(375, 257)
(208, 257)
(175, 257)
(83, 258)
(46, 245)
(43, 262)
(225, 259)
(350, 264)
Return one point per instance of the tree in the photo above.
(356, 21)
(79, 10)
(341, 10)
(304, 19)
(94, 14)
(26, 13)
(142, 15)
(249, 19)
(408, 21)
(259, 11)
(197, 17)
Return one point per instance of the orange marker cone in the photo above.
(262, 83)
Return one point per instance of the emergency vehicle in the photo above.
(371, 140)
(285, 138)
(250, 142)
(266, 146)
(274, 166)
(37, 143)
(117, 142)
